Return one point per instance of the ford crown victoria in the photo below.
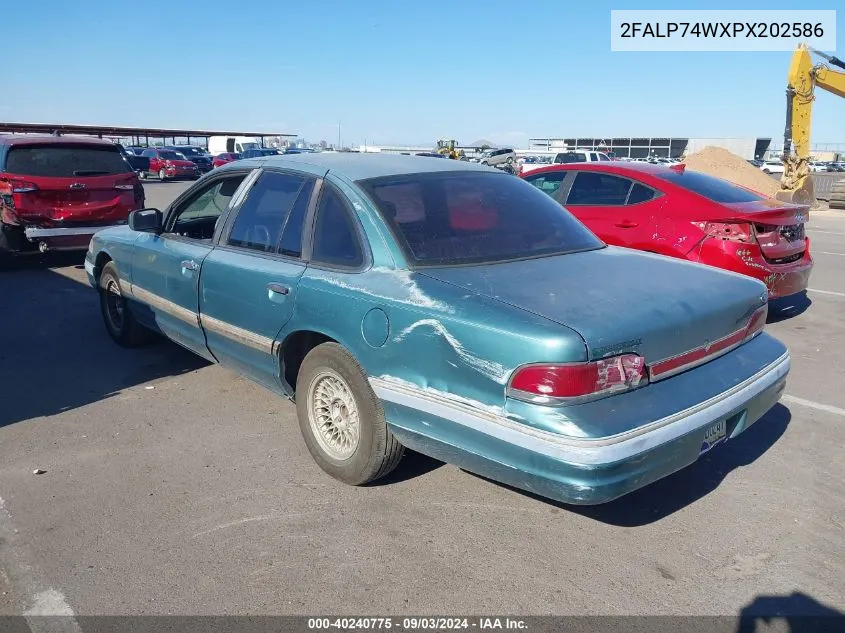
(449, 308)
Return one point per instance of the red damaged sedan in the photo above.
(224, 158)
(686, 214)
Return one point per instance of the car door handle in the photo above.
(189, 264)
(278, 289)
(625, 224)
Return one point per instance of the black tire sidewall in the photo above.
(361, 467)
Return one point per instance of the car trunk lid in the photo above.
(778, 226)
(72, 183)
(671, 312)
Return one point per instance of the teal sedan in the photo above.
(451, 309)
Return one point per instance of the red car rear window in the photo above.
(65, 161)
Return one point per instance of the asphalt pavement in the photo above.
(171, 486)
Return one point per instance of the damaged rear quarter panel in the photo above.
(440, 337)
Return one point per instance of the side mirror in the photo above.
(146, 221)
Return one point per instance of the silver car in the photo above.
(498, 157)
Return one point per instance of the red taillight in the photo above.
(579, 380)
(757, 322)
(730, 231)
(126, 185)
(22, 186)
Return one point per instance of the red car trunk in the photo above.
(778, 227)
(99, 199)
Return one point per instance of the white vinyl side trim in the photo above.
(160, 303)
(578, 450)
(240, 335)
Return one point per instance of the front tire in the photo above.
(162, 175)
(118, 318)
(342, 419)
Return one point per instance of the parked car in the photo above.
(772, 167)
(836, 167)
(196, 155)
(56, 192)
(689, 215)
(757, 163)
(224, 158)
(451, 309)
(259, 153)
(572, 156)
(140, 164)
(169, 164)
(497, 157)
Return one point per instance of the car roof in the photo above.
(37, 139)
(618, 167)
(355, 166)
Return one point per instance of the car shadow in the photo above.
(670, 494)
(55, 354)
(801, 614)
(788, 307)
(411, 466)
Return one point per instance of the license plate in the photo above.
(713, 434)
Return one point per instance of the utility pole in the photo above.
(338, 135)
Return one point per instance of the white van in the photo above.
(231, 144)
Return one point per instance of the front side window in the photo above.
(258, 225)
(197, 217)
(454, 218)
(548, 183)
(595, 188)
(335, 239)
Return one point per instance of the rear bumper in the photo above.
(781, 280)
(63, 238)
(572, 470)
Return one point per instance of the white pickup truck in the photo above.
(566, 157)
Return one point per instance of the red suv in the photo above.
(169, 164)
(56, 192)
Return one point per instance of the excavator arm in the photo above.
(804, 77)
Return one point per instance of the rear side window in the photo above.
(66, 161)
(640, 193)
(595, 188)
(710, 187)
(260, 218)
(335, 240)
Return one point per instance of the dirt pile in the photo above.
(721, 163)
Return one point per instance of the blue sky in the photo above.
(388, 71)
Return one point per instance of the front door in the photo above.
(166, 267)
(249, 281)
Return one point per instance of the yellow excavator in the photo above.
(804, 77)
(447, 148)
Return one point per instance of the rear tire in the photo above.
(341, 418)
(118, 318)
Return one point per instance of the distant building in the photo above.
(657, 146)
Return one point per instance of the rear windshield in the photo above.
(453, 218)
(710, 187)
(189, 151)
(171, 155)
(65, 161)
(571, 157)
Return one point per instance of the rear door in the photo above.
(166, 267)
(249, 282)
(81, 183)
(599, 201)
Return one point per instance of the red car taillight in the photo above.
(580, 380)
(22, 186)
(730, 231)
(757, 322)
(125, 185)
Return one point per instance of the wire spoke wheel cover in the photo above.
(333, 415)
